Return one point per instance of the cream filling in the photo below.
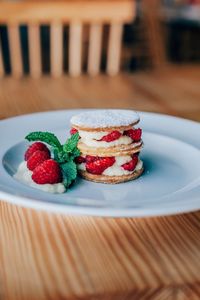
(116, 169)
(91, 139)
(23, 175)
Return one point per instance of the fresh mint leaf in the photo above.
(75, 153)
(71, 143)
(56, 154)
(46, 137)
(63, 157)
(69, 172)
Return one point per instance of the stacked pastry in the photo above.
(110, 144)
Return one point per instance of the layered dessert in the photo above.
(104, 146)
(110, 143)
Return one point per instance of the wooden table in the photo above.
(50, 256)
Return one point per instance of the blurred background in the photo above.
(163, 31)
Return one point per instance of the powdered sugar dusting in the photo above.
(105, 118)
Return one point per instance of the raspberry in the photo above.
(114, 135)
(90, 158)
(134, 134)
(73, 131)
(80, 159)
(34, 147)
(99, 165)
(130, 166)
(36, 159)
(47, 172)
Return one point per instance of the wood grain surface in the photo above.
(51, 256)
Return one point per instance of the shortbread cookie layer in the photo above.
(105, 120)
(111, 179)
(111, 151)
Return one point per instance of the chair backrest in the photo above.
(57, 14)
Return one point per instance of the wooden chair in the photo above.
(153, 33)
(57, 15)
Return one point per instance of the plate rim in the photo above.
(100, 212)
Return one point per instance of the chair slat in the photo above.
(94, 49)
(34, 50)
(1, 63)
(15, 50)
(114, 48)
(75, 49)
(56, 49)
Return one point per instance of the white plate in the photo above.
(169, 185)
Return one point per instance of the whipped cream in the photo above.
(91, 139)
(116, 169)
(23, 175)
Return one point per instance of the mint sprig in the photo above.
(71, 143)
(69, 171)
(46, 137)
(63, 154)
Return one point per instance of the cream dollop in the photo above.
(23, 175)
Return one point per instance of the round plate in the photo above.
(169, 185)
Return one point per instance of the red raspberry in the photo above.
(36, 159)
(114, 135)
(73, 131)
(47, 172)
(135, 134)
(80, 159)
(90, 158)
(98, 166)
(130, 166)
(34, 147)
